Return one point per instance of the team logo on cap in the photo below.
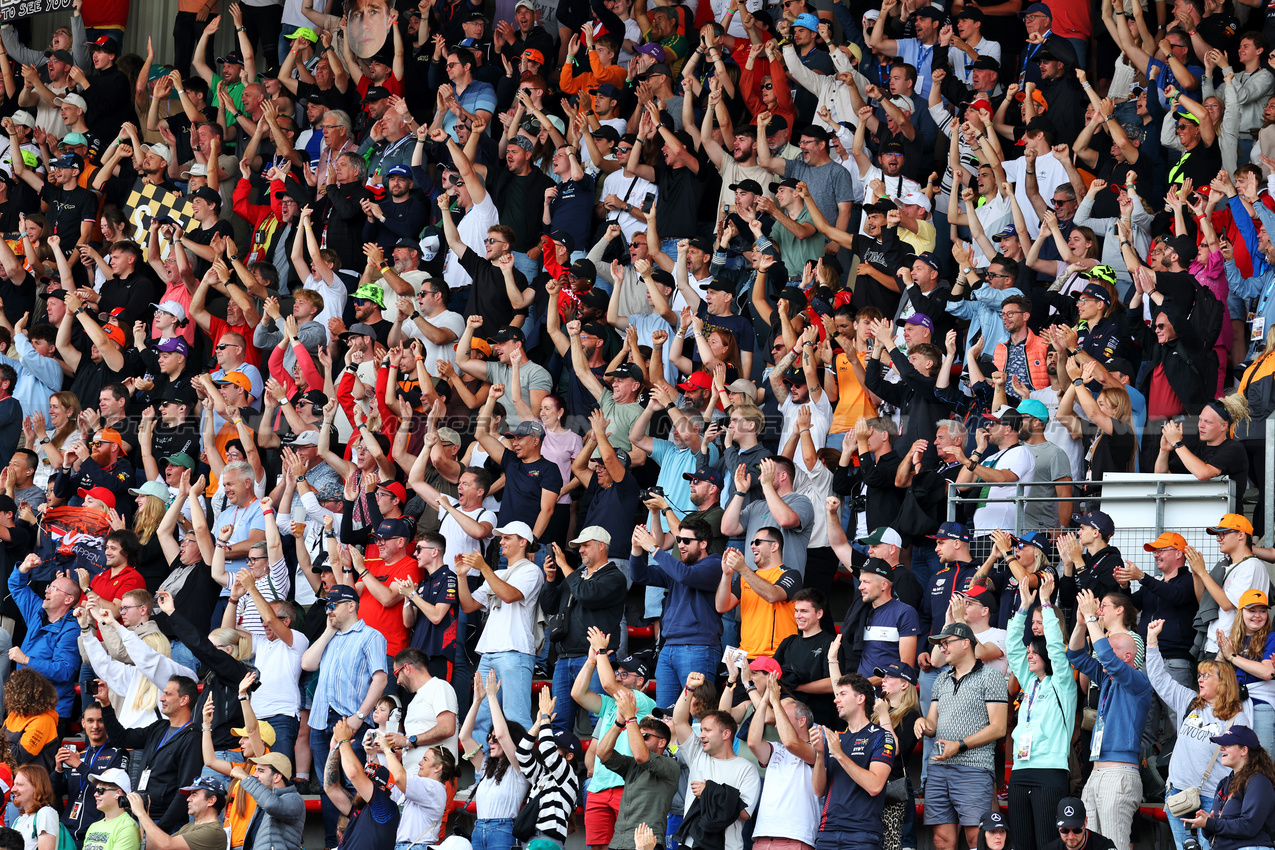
(1069, 811)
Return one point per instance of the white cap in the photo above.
(518, 529)
(113, 776)
(160, 150)
(871, 14)
(593, 532)
(172, 308)
(916, 199)
(904, 103)
(24, 118)
(73, 99)
(453, 842)
(528, 3)
(196, 170)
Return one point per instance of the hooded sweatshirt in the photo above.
(1048, 709)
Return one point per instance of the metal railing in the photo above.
(1165, 492)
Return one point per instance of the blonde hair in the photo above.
(1227, 703)
(240, 640)
(148, 517)
(147, 693)
(71, 402)
(908, 700)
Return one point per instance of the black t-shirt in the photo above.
(204, 236)
(740, 328)
(67, 209)
(18, 298)
(1201, 163)
(887, 255)
(1228, 457)
(524, 483)
(520, 201)
(1106, 204)
(1094, 841)
(805, 660)
(1113, 451)
(487, 297)
(680, 191)
(613, 508)
(1178, 287)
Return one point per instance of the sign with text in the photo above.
(11, 10)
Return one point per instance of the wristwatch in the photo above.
(411, 740)
(1092, 619)
(360, 715)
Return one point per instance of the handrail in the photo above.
(1020, 499)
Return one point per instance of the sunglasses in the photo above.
(1071, 830)
(761, 540)
(686, 540)
(767, 86)
(97, 444)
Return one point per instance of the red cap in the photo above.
(99, 493)
(396, 490)
(697, 381)
(765, 664)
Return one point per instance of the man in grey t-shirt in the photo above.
(1052, 464)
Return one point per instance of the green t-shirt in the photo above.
(604, 778)
(236, 96)
(621, 418)
(204, 836)
(118, 833)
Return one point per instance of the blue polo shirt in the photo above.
(881, 634)
(847, 807)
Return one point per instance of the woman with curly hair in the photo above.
(32, 794)
(1250, 648)
(32, 722)
(1215, 708)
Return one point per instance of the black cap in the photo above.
(891, 147)
(585, 269)
(786, 183)
(777, 122)
(983, 63)
(747, 185)
(717, 284)
(971, 13)
(702, 244)
(663, 278)
(180, 393)
(626, 370)
(205, 193)
(606, 132)
(877, 567)
(509, 334)
(1071, 813)
(61, 56)
(596, 298)
(1044, 125)
(375, 93)
(816, 132)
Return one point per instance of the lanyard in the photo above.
(1032, 698)
(171, 733)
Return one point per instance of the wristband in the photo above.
(266, 511)
(1178, 445)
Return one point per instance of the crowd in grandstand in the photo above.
(635, 424)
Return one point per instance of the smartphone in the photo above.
(648, 201)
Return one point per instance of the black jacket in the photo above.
(221, 677)
(343, 218)
(1190, 365)
(73, 783)
(174, 759)
(596, 601)
(714, 810)
(914, 394)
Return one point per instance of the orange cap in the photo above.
(1167, 540)
(1253, 596)
(1231, 522)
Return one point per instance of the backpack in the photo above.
(65, 840)
(1207, 315)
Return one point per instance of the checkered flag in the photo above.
(147, 201)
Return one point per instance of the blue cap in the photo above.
(1005, 234)
(1098, 291)
(807, 20)
(1036, 7)
(341, 593)
(952, 531)
(704, 473)
(1035, 538)
(1035, 408)
(393, 528)
(399, 171)
(898, 670)
(1098, 521)
(211, 784)
(608, 90)
(1241, 735)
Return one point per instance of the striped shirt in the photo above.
(348, 664)
(553, 778)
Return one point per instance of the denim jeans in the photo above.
(925, 562)
(565, 671)
(529, 267)
(320, 741)
(1264, 724)
(493, 834)
(669, 246)
(183, 656)
(676, 663)
(1178, 828)
(285, 734)
(514, 671)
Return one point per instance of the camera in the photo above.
(1191, 842)
(146, 801)
(648, 493)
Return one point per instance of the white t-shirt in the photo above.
(500, 799)
(434, 699)
(458, 540)
(996, 637)
(820, 423)
(789, 808)
(280, 667)
(995, 216)
(1050, 174)
(453, 322)
(895, 187)
(334, 294)
(1018, 459)
(274, 585)
(422, 803)
(31, 826)
(509, 624)
(473, 230)
(619, 185)
(1248, 574)
(737, 772)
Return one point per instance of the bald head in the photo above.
(1123, 646)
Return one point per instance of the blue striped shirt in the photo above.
(349, 661)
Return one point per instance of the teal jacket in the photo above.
(1053, 711)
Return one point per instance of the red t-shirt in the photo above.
(219, 327)
(112, 588)
(388, 621)
(1162, 401)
